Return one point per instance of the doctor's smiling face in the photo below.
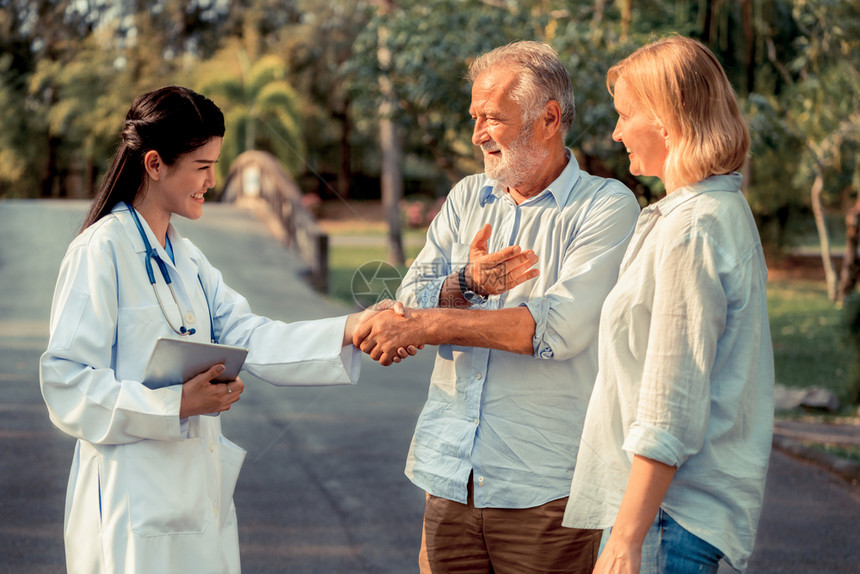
(178, 188)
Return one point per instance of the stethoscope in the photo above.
(153, 254)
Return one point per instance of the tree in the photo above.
(69, 69)
(389, 145)
(92, 98)
(823, 109)
(261, 109)
(431, 44)
(408, 66)
(16, 152)
(319, 71)
(30, 33)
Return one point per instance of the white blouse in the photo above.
(685, 370)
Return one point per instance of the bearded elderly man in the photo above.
(509, 286)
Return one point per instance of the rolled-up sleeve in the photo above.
(688, 317)
(566, 316)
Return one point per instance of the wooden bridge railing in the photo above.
(257, 176)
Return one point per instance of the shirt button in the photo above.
(211, 447)
(189, 317)
(476, 420)
(478, 376)
(480, 481)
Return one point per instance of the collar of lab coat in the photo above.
(122, 213)
(185, 272)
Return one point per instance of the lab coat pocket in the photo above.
(137, 329)
(232, 457)
(167, 487)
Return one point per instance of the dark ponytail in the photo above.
(172, 121)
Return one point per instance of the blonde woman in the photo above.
(677, 436)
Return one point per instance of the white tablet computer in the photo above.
(174, 361)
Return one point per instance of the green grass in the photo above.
(350, 266)
(809, 343)
(851, 453)
(410, 234)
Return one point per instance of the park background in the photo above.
(364, 105)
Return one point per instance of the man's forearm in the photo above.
(382, 335)
(504, 329)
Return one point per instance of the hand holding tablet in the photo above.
(174, 361)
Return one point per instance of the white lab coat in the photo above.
(148, 493)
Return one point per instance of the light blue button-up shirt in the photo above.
(686, 370)
(515, 420)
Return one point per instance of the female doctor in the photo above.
(151, 484)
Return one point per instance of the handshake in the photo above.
(390, 332)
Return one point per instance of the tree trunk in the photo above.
(626, 9)
(344, 174)
(389, 142)
(90, 181)
(706, 20)
(250, 132)
(597, 18)
(749, 44)
(392, 187)
(824, 240)
(848, 274)
(49, 175)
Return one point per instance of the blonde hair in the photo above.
(681, 83)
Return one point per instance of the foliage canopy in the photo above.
(300, 78)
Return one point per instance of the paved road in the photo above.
(322, 490)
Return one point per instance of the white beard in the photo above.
(518, 163)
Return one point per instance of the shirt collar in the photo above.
(730, 182)
(122, 213)
(559, 189)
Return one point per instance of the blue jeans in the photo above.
(669, 549)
